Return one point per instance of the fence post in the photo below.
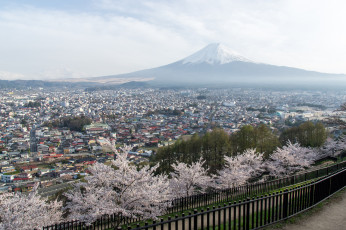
(285, 204)
(154, 223)
(312, 186)
(248, 214)
(195, 220)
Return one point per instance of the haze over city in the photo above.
(74, 39)
(184, 114)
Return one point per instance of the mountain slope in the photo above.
(214, 53)
(216, 64)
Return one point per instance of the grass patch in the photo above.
(12, 173)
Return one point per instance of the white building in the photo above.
(7, 178)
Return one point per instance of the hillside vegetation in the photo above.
(214, 145)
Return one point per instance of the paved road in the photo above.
(33, 141)
(331, 217)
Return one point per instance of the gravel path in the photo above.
(331, 217)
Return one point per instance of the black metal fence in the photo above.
(103, 223)
(259, 208)
(256, 212)
(249, 190)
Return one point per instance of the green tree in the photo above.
(248, 137)
(213, 146)
(243, 139)
(74, 123)
(23, 122)
(266, 140)
(195, 148)
(217, 145)
(307, 134)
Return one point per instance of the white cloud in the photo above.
(97, 45)
(302, 33)
(10, 76)
(122, 36)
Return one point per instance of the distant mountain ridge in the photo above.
(216, 64)
(22, 84)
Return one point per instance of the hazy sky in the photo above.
(83, 38)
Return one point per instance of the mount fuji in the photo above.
(218, 65)
(214, 54)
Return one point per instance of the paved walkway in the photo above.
(331, 217)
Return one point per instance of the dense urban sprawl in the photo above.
(38, 145)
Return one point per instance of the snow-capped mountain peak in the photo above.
(214, 53)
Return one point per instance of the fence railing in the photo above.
(249, 190)
(213, 198)
(256, 212)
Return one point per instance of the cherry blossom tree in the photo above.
(334, 146)
(190, 179)
(20, 211)
(119, 189)
(239, 169)
(290, 159)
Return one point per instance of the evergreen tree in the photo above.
(260, 138)
(307, 134)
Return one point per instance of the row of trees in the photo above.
(261, 137)
(213, 146)
(307, 134)
(34, 104)
(123, 189)
(76, 123)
